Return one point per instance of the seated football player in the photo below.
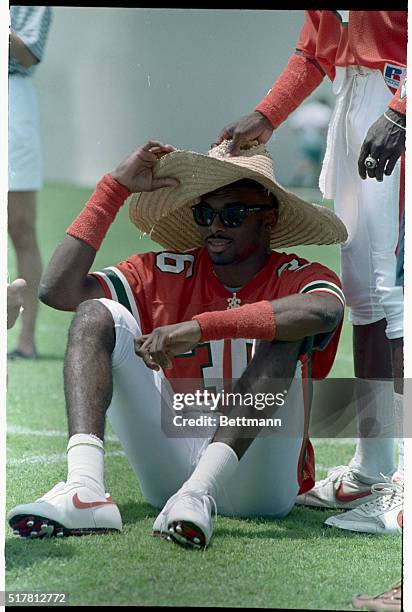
(218, 304)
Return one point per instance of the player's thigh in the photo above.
(266, 481)
(161, 462)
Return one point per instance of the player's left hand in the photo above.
(385, 142)
(157, 348)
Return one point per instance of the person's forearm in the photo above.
(289, 319)
(20, 52)
(299, 78)
(302, 315)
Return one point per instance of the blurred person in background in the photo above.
(29, 27)
(310, 123)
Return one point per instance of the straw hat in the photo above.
(165, 214)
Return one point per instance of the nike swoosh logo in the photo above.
(342, 496)
(82, 505)
(399, 518)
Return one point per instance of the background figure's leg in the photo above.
(22, 230)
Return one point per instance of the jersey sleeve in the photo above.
(129, 284)
(300, 276)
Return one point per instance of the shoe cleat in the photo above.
(67, 509)
(189, 513)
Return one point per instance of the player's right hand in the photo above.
(251, 127)
(157, 348)
(136, 171)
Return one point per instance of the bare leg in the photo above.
(397, 361)
(372, 351)
(88, 381)
(372, 360)
(22, 230)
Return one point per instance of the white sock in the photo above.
(374, 456)
(399, 432)
(85, 461)
(215, 468)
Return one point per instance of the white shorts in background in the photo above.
(25, 163)
(266, 481)
(369, 209)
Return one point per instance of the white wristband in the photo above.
(394, 122)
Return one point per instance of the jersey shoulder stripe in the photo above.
(119, 289)
(326, 286)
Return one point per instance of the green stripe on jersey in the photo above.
(324, 285)
(119, 287)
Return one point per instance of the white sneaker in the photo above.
(340, 489)
(187, 518)
(384, 514)
(67, 509)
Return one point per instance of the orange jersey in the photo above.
(165, 288)
(374, 39)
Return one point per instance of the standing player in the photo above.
(386, 512)
(194, 311)
(364, 54)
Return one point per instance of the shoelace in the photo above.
(190, 494)
(389, 494)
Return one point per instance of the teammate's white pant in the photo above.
(369, 209)
(266, 478)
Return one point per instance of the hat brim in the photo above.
(166, 215)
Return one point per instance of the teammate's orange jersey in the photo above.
(374, 39)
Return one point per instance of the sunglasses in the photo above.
(232, 216)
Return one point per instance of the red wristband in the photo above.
(92, 223)
(255, 321)
(299, 78)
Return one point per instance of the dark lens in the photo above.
(203, 215)
(232, 216)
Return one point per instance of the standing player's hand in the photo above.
(385, 143)
(165, 342)
(136, 171)
(252, 127)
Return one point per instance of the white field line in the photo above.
(61, 457)
(16, 429)
(55, 458)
